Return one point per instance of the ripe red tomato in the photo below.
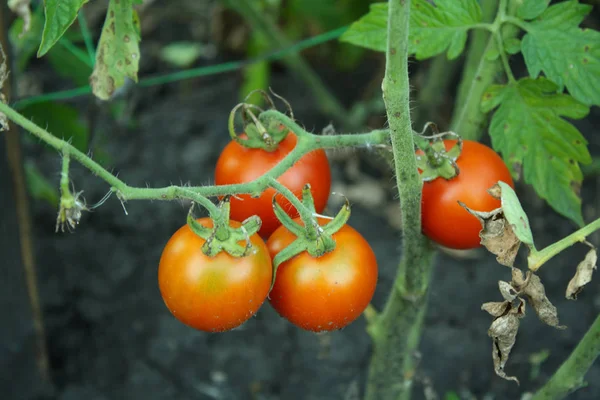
(328, 292)
(212, 294)
(443, 219)
(239, 164)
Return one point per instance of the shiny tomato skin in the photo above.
(212, 294)
(328, 292)
(443, 219)
(238, 164)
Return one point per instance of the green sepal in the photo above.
(437, 162)
(285, 219)
(222, 236)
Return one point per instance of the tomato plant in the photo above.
(328, 292)
(212, 294)
(443, 219)
(239, 164)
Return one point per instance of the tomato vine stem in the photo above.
(307, 142)
(397, 329)
(538, 258)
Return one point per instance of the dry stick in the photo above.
(15, 162)
(396, 332)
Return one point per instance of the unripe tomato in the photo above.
(328, 292)
(212, 294)
(239, 164)
(443, 219)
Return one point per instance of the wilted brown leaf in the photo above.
(3, 76)
(503, 332)
(507, 291)
(583, 275)
(496, 308)
(23, 10)
(536, 294)
(497, 235)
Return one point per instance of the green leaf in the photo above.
(118, 53)
(67, 65)
(433, 29)
(60, 14)
(182, 54)
(39, 187)
(61, 120)
(370, 31)
(515, 215)
(532, 8)
(512, 45)
(568, 55)
(528, 130)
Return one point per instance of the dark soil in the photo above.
(111, 337)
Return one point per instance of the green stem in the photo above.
(87, 37)
(431, 96)
(76, 51)
(192, 73)
(307, 142)
(468, 120)
(539, 258)
(397, 330)
(64, 175)
(569, 377)
(260, 22)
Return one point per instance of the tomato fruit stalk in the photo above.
(239, 164)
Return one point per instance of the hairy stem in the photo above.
(397, 330)
(261, 23)
(569, 377)
(538, 258)
(307, 142)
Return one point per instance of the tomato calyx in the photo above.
(256, 134)
(311, 237)
(433, 160)
(223, 237)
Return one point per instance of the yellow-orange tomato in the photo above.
(239, 164)
(444, 220)
(328, 292)
(212, 294)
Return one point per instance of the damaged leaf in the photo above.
(497, 235)
(22, 9)
(3, 76)
(507, 291)
(118, 54)
(503, 332)
(536, 294)
(583, 276)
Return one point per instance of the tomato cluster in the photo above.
(219, 293)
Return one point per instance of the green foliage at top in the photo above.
(529, 129)
(60, 14)
(433, 29)
(530, 9)
(566, 54)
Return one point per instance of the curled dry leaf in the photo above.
(583, 275)
(497, 235)
(536, 294)
(503, 331)
(23, 10)
(3, 77)
(507, 291)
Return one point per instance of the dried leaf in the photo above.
(3, 76)
(507, 291)
(497, 235)
(23, 10)
(496, 308)
(503, 332)
(583, 275)
(536, 294)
